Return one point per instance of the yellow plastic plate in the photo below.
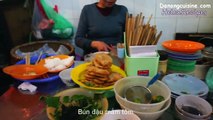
(78, 71)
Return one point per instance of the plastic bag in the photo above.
(48, 24)
(62, 27)
(45, 49)
(62, 50)
(38, 16)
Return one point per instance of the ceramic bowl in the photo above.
(195, 102)
(150, 115)
(65, 76)
(120, 115)
(158, 88)
(181, 116)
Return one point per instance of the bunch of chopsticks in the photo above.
(137, 33)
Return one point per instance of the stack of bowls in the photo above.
(181, 66)
(149, 111)
(208, 53)
(182, 55)
(182, 63)
(190, 107)
(184, 84)
(201, 68)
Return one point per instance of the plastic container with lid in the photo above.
(162, 66)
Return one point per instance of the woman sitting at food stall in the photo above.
(101, 25)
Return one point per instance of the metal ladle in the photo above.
(140, 94)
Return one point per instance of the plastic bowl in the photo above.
(65, 76)
(196, 102)
(149, 115)
(25, 72)
(183, 46)
(158, 88)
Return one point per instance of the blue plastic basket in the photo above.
(44, 85)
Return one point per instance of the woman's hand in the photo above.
(100, 46)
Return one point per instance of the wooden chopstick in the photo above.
(27, 59)
(39, 57)
(139, 30)
(128, 29)
(152, 37)
(148, 22)
(144, 35)
(148, 36)
(126, 26)
(157, 38)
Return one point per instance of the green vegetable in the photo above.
(137, 100)
(156, 99)
(52, 101)
(70, 106)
